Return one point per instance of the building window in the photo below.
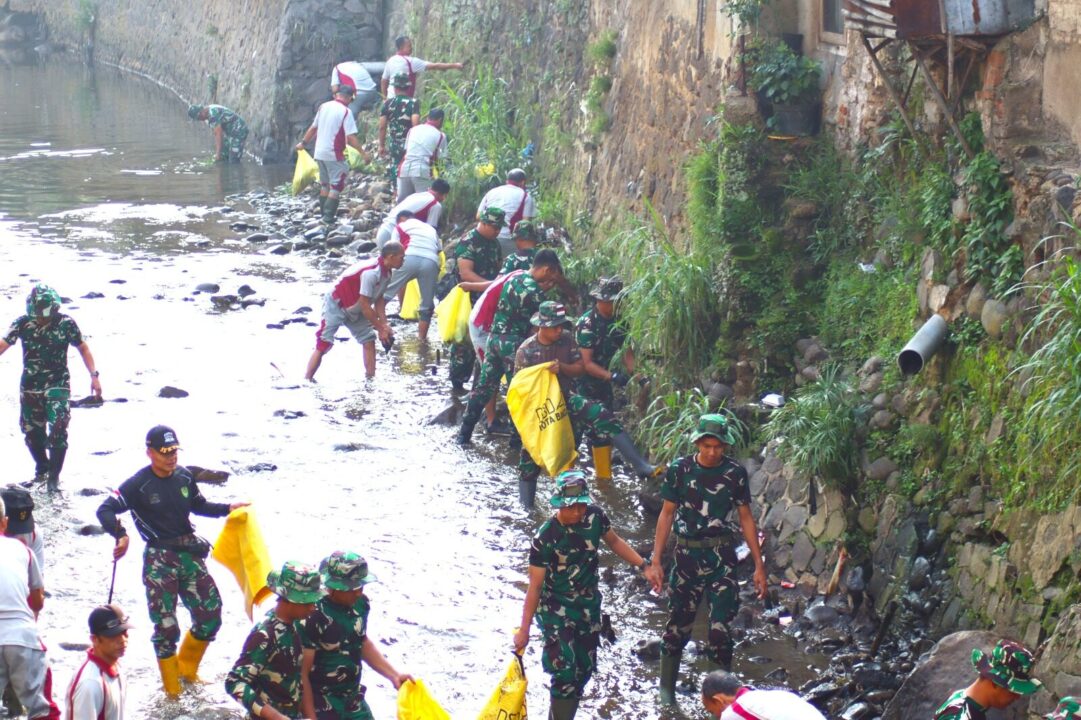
(833, 24)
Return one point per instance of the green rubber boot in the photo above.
(669, 673)
(330, 211)
(563, 708)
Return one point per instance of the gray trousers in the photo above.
(409, 185)
(382, 236)
(364, 100)
(26, 670)
(426, 272)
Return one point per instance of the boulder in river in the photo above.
(204, 475)
(245, 291)
(207, 288)
(172, 392)
(257, 238)
(93, 295)
(261, 467)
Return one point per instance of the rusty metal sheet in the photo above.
(917, 18)
(987, 17)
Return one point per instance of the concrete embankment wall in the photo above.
(268, 59)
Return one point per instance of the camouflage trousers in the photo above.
(395, 153)
(586, 415)
(342, 707)
(571, 635)
(463, 359)
(696, 572)
(232, 147)
(169, 574)
(498, 362)
(45, 414)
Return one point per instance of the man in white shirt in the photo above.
(421, 263)
(23, 664)
(423, 143)
(725, 697)
(97, 688)
(333, 128)
(365, 92)
(404, 62)
(426, 206)
(517, 205)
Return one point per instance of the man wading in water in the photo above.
(45, 387)
(230, 130)
(160, 497)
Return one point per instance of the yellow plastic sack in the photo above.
(416, 703)
(306, 172)
(354, 158)
(508, 700)
(241, 549)
(536, 406)
(410, 309)
(453, 313)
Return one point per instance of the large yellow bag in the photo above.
(416, 703)
(453, 313)
(241, 549)
(354, 158)
(306, 172)
(410, 309)
(508, 700)
(536, 406)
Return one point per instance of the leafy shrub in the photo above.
(781, 75)
(667, 426)
(604, 49)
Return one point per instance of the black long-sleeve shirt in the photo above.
(160, 506)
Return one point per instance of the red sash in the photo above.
(517, 216)
(412, 77)
(422, 214)
(489, 301)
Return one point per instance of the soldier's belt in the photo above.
(709, 542)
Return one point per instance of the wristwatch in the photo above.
(642, 567)
(95, 374)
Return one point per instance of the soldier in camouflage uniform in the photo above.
(398, 115)
(699, 491)
(601, 338)
(1005, 675)
(336, 640)
(551, 345)
(525, 243)
(563, 592)
(230, 130)
(476, 258)
(519, 299)
(1069, 708)
(265, 679)
(45, 387)
(161, 497)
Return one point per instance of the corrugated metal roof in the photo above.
(923, 18)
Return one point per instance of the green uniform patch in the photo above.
(605, 338)
(169, 575)
(399, 111)
(46, 382)
(569, 614)
(704, 497)
(234, 128)
(518, 260)
(337, 634)
(268, 669)
(961, 707)
(485, 255)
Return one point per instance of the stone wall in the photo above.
(268, 59)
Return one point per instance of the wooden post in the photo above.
(937, 95)
(892, 91)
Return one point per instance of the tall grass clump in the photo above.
(485, 138)
(667, 426)
(815, 430)
(1051, 422)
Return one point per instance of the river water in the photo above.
(105, 188)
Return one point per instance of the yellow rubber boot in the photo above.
(189, 657)
(602, 461)
(170, 675)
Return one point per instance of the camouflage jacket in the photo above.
(268, 669)
(519, 260)
(518, 300)
(484, 253)
(45, 350)
(603, 336)
(399, 111)
(230, 122)
(569, 554)
(705, 496)
(960, 707)
(337, 635)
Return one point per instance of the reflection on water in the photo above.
(358, 466)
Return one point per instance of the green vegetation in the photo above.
(603, 49)
(781, 75)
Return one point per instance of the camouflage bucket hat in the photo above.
(345, 571)
(296, 582)
(1069, 708)
(571, 489)
(525, 230)
(1009, 666)
(400, 80)
(194, 110)
(550, 314)
(494, 216)
(607, 289)
(42, 301)
(714, 425)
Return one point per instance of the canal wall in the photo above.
(268, 59)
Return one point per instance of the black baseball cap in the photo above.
(108, 621)
(19, 507)
(162, 438)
